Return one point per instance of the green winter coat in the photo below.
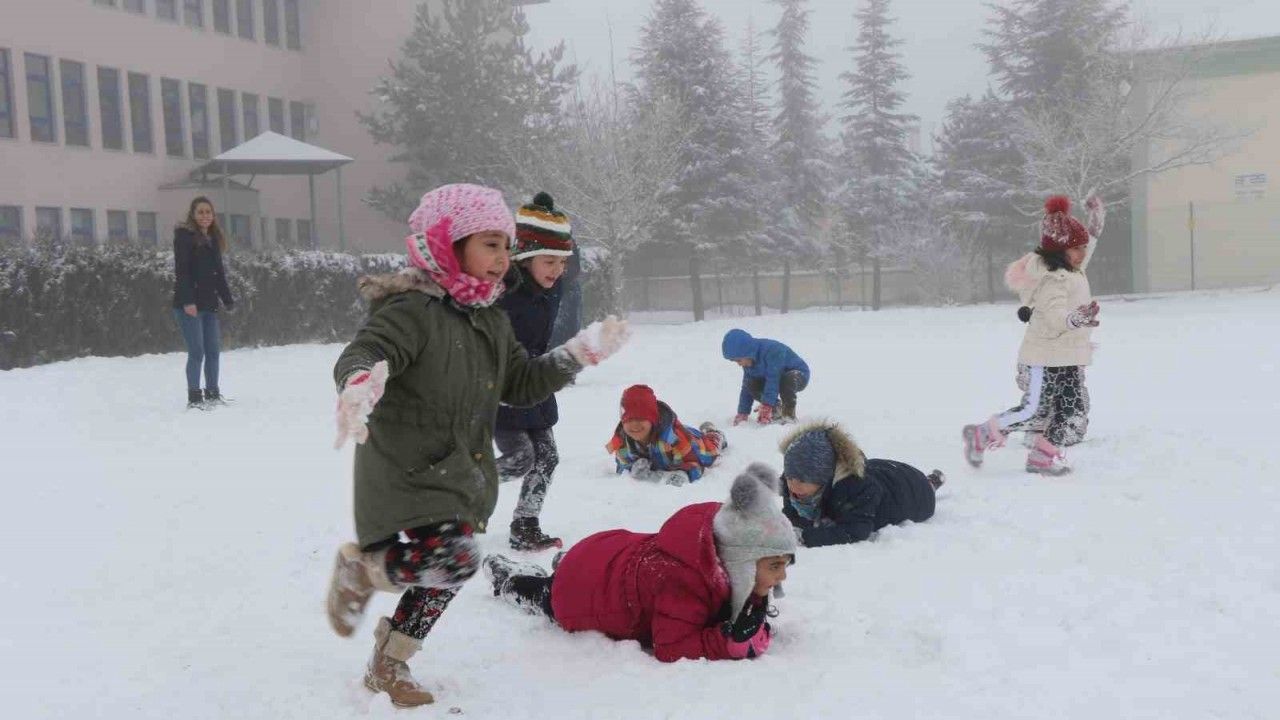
(429, 456)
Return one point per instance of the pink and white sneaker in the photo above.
(980, 438)
(1046, 459)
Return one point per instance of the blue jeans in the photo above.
(203, 345)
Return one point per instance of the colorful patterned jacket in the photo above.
(676, 447)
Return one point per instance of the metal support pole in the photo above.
(1191, 225)
(226, 199)
(311, 186)
(342, 227)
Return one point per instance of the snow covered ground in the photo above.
(164, 563)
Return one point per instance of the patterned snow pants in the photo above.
(1055, 402)
(432, 561)
(531, 455)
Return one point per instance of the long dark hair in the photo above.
(1055, 259)
(215, 230)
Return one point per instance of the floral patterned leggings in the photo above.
(432, 562)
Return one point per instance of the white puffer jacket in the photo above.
(1050, 341)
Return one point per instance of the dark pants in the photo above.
(1054, 402)
(531, 455)
(432, 562)
(792, 382)
(201, 334)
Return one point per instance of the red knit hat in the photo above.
(639, 403)
(1058, 230)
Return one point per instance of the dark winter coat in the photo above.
(532, 310)
(667, 590)
(770, 360)
(865, 496)
(429, 456)
(199, 277)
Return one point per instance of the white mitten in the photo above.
(675, 478)
(359, 394)
(598, 341)
(640, 470)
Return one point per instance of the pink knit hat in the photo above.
(470, 208)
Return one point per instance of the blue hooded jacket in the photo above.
(770, 359)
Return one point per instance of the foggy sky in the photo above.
(938, 35)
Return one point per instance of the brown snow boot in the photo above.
(356, 575)
(388, 669)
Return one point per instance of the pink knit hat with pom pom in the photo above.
(469, 208)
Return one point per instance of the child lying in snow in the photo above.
(652, 444)
(835, 495)
(697, 588)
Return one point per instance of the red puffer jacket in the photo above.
(667, 590)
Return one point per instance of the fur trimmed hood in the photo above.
(379, 287)
(850, 460)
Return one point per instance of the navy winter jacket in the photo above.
(199, 277)
(532, 311)
(888, 493)
(770, 360)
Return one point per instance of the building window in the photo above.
(171, 109)
(109, 108)
(193, 13)
(167, 10)
(292, 26)
(108, 3)
(271, 22)
(147, 234)
(245, 19)
(82, 226)
(140, 112)
(222, 16)
(198, 97)
(298, 120)
(10, 224)
(136, 6)
(284, 232)
(242, 229)
(8, 128)
(75, 108)
(249, 102)
(227, 135)
(40, 98)
(117, 225)
(275, 115)
(305, 238)
(49, 223)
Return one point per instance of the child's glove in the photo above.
(674, 478)
(598, 341)
(765, 416)
(1084, 316)
(799, 535)
(359, 394)
(640, 470)
(749, 635)
(739, 419)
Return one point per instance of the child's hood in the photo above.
(850, 460)
(376, 288)
(688, 537)
(738, 344)
(1025, 273)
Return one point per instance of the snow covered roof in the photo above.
(274, 154)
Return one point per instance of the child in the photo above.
(523, 435)
(652, 444)
(698, 588)
(421, 383)
(769, 370)
(834, 495)
(1060, 315)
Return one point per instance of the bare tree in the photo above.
(610, 172)
(1133, 118)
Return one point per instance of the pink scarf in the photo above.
(432, 252)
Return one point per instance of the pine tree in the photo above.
(465, 95)
(759, 239)
(878, 193)
(978, 171)
(798, 147)
(682, 58)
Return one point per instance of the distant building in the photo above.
(107, 106)
(1218, 225)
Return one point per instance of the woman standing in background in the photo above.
(199, 283)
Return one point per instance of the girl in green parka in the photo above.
(419, 388)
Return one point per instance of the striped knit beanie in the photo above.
(542, 230)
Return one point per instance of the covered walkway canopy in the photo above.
(275, 154)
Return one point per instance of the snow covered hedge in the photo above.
(59, 302)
